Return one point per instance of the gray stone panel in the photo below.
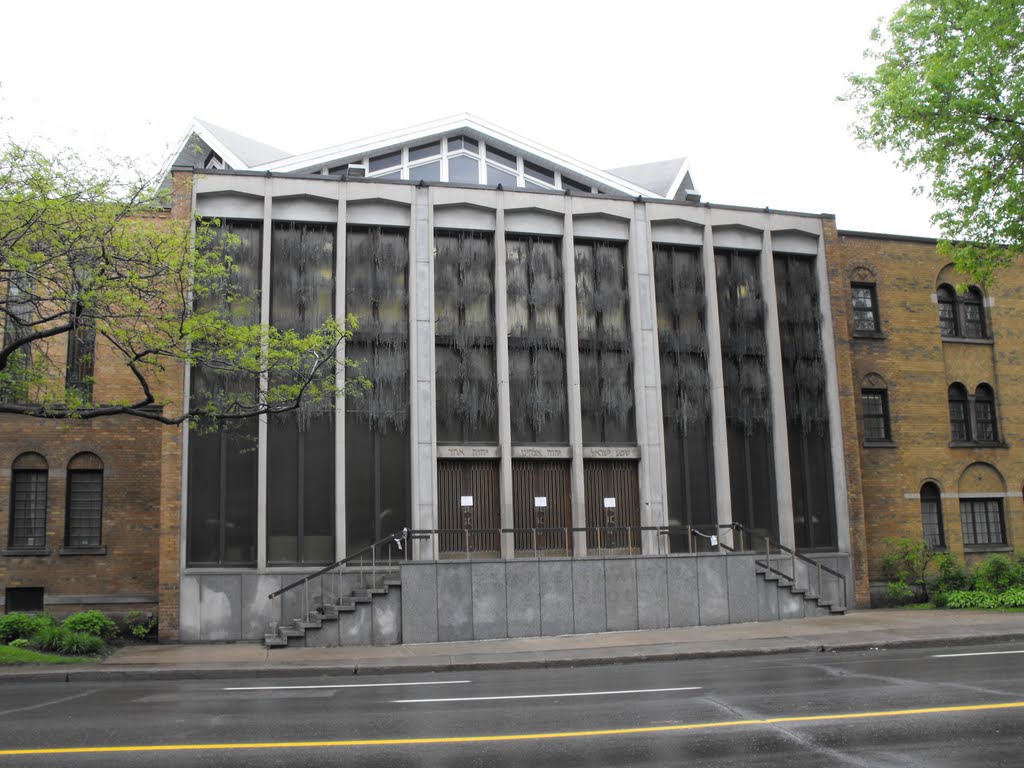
(356, 627)
(328, 635)
(652, 592)
(387, 618)
(767, 600)
(419, 602)
(790, 606)
(220, 605)
(683, 597)
(621, 594)
(490, 611)
(259, 612)
(713, 587)
(523, 598)
(189, 617)
(424, 411)
(556, 601)
(588, 597)
(454, 601)
(742, 588)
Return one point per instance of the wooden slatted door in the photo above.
(474, 528)
(533, 481)
(612, 499)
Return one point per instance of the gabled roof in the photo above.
(665, 177)
(664, 180)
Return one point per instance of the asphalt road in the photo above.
(912, 707)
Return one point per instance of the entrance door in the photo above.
(542, 507)
(612, 499)
(469, 511)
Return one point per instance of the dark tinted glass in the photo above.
(539, 172)
(426, 172)
(502, 158)
(424, 151)
(380, 162)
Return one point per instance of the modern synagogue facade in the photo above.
(572, 369)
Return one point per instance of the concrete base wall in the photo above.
(487, 599)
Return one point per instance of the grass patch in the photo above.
(10, 655)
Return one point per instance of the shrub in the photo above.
(964, 599)
(951, 574)
(996, 574)
(139, 624)
(93, 623)
(14, 626)
(906, 563)
(940, 599)
(1012, 598)
(49, 638)
(19, 642)
(80, 643)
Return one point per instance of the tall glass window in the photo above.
(377, 460)
(807, 423)
(748, 407)
(222, 477)
(685, 402)
(931, 516)
(466, 379)
(606, 359)
(536, 341)
(300, 450)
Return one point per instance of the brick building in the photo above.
(539, 331)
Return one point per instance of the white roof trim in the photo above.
(369, 146)
(200, 130)
(683, 170)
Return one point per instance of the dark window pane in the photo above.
(463, 143)
(81, 344)
(393, 176)
(931, 516)
(380, 162)
(982, 521)
(426, 172)
(85, 508)
(958, 424)
(575, 185)
(424, 151)
(947, 312)
(985, 415)
(28, 508)
(501, 158)
(875, 406)
(539, 172)
(974, 318)
(463, 170)
(865, 309)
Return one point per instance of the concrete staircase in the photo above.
(799, 597)
(366, 615)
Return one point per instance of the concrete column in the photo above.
(716, 382)
(421, 366)
(501, 368)
(340, 273)
(780, 433)
(835, 419)
(643, 327)
(572, 372)
(261, 451)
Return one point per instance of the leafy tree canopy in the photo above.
(96, 275)
(947, 97)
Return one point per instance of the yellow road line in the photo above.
(511, 736)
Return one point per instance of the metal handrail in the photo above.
(398, 538)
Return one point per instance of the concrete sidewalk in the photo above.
(858, 630)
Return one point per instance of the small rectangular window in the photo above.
(84, 508)
(575, 185)
(982, 521)
(28, 508)
(463, 143)
(543, 174)
(424, 151)
(865, 308)
(875, 404)
(380, 162)
(27, 599)
(502, 158)
(985, 420)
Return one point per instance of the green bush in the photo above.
(964, 599)
(940, 599)
(1012, 598)
(139, 624)
(951, 574)
(906, 563)
(49, 638)
(996, 574)
(93, 623)
(14, 626)
(80, 643)
(19, 642)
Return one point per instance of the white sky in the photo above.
(746, 90)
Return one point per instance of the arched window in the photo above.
(985, 429)
(973, 314)
(959, 424)
(947, 311)
(84, 508)
(931, 516)
(28, 502)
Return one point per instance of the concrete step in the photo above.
(275, 641)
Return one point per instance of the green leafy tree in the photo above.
(94, 265)
(947, 98)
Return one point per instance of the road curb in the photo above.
(439, 664)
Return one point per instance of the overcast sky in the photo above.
(746, 90)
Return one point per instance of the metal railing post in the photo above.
(819, 580)
(534, 542)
